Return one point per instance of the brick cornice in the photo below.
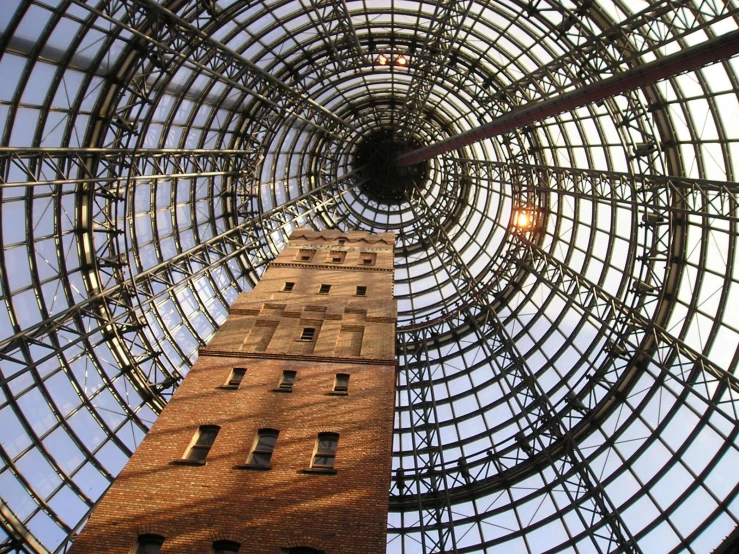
(296, 357)
(333, 267)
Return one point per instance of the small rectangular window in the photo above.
(341, 383)
(368, 258)
(305, 255)
(288, 287)
(324, 289)
(308, 333)
(264, 445)
(337, 257)
(237, 375)
(361, 291)
(325, 451)
(202, 443)
(287, 380)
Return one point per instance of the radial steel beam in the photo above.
(428, 452)
(23, 167)
(21, 540)
(661, 26)
(543, 434)
(683, 195)
(671, 357)
(429, 65)
(168, 33)
(338, 31)
(139, 290)
(705, 53)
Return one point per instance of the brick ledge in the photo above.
(332, 266)
(297, 357)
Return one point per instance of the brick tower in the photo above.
(279, 439)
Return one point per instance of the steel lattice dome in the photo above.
(568, 288)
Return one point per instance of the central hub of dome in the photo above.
(384, 181)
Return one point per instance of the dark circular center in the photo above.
(383, 180)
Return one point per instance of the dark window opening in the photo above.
(324, 289)
(287, 380)
(308, 333)
(305, 255)
(288, 287)
(325, 452)
(203, 441)
(237, 375)
(149, 544)
(341, 383)
(361, 291)
(368, 258)
(226, 547)
(261, 454)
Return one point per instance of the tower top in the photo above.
(350, 236)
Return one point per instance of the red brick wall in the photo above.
(282, 507)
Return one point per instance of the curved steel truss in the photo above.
(567, 286)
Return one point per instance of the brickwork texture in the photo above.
(336, 510)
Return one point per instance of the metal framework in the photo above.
(566, 280)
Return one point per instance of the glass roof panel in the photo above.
(551, 374)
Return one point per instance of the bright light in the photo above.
(401, 60)
(382, 59)
(523, 220)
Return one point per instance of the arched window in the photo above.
(202, 443)
(264, 445)
(325, 452)
(148, 544)
(226, 547)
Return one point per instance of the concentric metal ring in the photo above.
(567, 384)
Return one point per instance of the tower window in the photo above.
(308, 333)
(264, 445)
(305, 255)
(202, 443)
(325, 452)
(237, 375)
(288, 287)
(286, 382)
(226, 547)
(324, 289)
(368, 258)
(361, 291)
(341, 382)
(149, 544)
(337, 257)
